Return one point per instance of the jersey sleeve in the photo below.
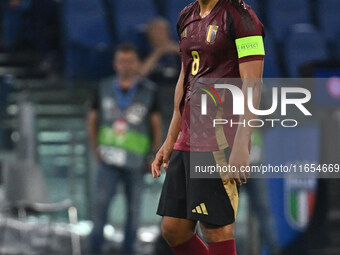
(181, 18)
(248, 33)
(180, 21)
(178, 29)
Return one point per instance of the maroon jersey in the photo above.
(208, 49)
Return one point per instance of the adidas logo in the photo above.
(200, 209)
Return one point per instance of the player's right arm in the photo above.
(163, 155)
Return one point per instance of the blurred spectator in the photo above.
(164, 63)
(124, 110)
(12, 4)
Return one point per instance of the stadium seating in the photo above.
(12, 25)
(91, 30)
(304, 45)
(160, 6)
(84, 63)
(128, 13)
(338, 50)
(281, 15)
(85, 23)
(329, 19)
(173, 8)
(88, 40)
(255, 5)
(271, 65)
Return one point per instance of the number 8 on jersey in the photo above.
(195, 63)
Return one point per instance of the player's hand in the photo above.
(168, 48)
(162, 158)
(239, 158)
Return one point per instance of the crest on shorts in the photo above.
(211, 33)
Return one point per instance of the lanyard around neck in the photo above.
(124, 98)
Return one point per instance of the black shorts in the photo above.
(209, 200)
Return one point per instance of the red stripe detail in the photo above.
(218, 96)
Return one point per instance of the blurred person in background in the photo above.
(14, 3)
(124, 114)
(163, 64)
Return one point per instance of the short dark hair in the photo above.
(126, 47)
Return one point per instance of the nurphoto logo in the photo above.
(239, 104)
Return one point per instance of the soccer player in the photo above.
(218, 39)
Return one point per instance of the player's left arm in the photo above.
(251, 74)
(248, 33)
